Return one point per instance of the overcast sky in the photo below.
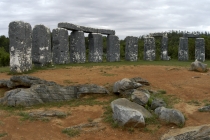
(126, 17)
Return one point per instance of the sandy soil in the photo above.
(187, 86)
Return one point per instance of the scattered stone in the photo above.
(3, 83)
(113, 48)
(170, 116)
(140, 80)
(60, 46)
(131, 48)
(205, 109)
(20, 43)
(41, 46)
(124, 84)
(157, 103)
(200, 49)
(140, 97)
(183, 49)
(47, 114)
(198, 66)
(77, 47)
(188, 133)
(149, 48)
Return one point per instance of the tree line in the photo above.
(173, 45)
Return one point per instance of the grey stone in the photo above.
(77, 47)
(158, 34)
(69, 26)
(106, 31)
(140, 80)
(95, 47)
(198, 66)
(123, 102)
(149, 48)
(60, 46)
(157, 103)
(189, 133)
(113, 48)
(140, 97)
(170, 116)
(91, 89)
(200, 49)
(131, 48)
(3, 83)
(41, 46)
(164, 49)
(191, 35)
(88, 29)
(205, 109)
(47, 114)
(183, 49)
(125, 84)
(20, 43)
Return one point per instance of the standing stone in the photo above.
(200, 49)
(60, 48)
(113, 48)
(77, 47)
(149, 48)
(20, 46)
(164, 48)
(131, 48)
(95, 47)
(183, 49)
(41, 46)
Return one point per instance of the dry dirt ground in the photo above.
(190, 88)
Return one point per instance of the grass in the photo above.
(3, 134)
(25, 116)
(194, 102)
(71, 132)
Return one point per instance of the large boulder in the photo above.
(170, 116)
(125, 84)
(140, 97)
(188, 133)
(198, 66)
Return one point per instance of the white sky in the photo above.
(126, 17)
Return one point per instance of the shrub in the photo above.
(4, 57)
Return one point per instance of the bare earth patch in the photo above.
(191, 90)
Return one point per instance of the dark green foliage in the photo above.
(4, 42)
(4, 57)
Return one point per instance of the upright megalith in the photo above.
(60, 46)
(149, 48)
(95, 47)
(200, 49)
(20, 42)
(164, 48)
(77, 47)
(113, 48)
(41, 46)
(183, 49)
(131, 48)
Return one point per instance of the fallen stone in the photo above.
(170, 116)
(124, 84)
(157, 103)
(189, 133)
(198, 66)
(48, 113)
(140, 80)
(140, 97)
(3, 83)
(205, 109)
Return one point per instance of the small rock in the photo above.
(198, 66)
(205, 109)
(157, 103)
(140, 97)
(140, 80)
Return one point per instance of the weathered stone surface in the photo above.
(189, 133)
(198, 66)
(205, 109)
(113, 48)
(164, 49)
(200, 49)
(3, 83)
(183, 49)
(106, 31)
(91, 88)
(131, 48)
(20, 43)
(123, 102)
(124, 84)
(88, 29)
(170, 116)
(95, 47)
(149, 48)
(140, 97)
(140, 80)
(191, 35)
(77, 47)
(69, 26)
(41, 46)
(158, 34)
(47, 113)
(157, 103)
